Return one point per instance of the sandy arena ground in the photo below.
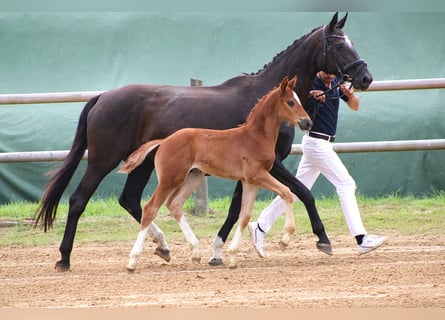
(408, 271)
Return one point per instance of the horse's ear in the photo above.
(333, 22)
(342, 22)
(292, 82)
(283, 84)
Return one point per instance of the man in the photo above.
(319, 157)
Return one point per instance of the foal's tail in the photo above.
(138, 156)
(47, 210)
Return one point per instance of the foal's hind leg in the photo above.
(175, 204)
(130, 200)
(151, 208)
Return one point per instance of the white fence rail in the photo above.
(347, 147)
(82, 96)
(341, 147)
(382, 146)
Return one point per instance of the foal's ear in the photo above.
(283, 84)
(292, 82)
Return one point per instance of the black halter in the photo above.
(342, 70)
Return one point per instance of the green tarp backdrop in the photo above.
(58, 52)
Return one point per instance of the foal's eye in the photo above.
(290, 103)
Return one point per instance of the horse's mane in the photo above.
(278, 55)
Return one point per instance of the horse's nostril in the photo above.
(367, 80)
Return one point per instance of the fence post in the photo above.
(200, 196)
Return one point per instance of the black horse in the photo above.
(115, 123)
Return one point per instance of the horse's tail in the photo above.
(47, 210)
(138, 156)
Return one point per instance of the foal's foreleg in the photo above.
(272, 184)
(248, 199)
(304, 194)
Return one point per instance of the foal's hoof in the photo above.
(283, 245)
(131, 269)
(232, 262)
(62, 267)
(163, 253)
(324, 247)
(196, 260)
(216, 262)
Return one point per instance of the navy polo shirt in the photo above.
(327, 116)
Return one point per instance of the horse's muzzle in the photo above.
(305, 124)
(363, 82)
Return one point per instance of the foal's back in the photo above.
(223, 153)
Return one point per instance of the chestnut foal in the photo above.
(245, 153)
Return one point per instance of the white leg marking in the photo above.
(137, 249)
(234, 247)
(157, 235)
(217, 248)
(191, 238)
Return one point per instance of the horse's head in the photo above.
(338, 55)
(291, 109)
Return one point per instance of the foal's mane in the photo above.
(260, 102)
(278, 55)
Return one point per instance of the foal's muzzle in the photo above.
(305, 124)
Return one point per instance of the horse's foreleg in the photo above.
(130, 200)
(248, 199)
(230, 221)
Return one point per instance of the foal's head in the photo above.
(291, 109)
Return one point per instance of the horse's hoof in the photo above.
(62, 267)
(216, 262)
(283, 245)
(130, 269)
(163, 253)
(324, 247)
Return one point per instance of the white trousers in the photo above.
(319, 157)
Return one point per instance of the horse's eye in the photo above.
(290, 103)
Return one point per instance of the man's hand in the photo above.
(318, 95)
(349, 92)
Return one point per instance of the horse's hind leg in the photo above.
(130, 200)
(175, 204)
(78, 200)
